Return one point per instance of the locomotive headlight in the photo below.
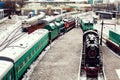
(92, 53)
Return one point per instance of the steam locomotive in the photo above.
(91, 58)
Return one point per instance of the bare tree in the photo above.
(10, 5)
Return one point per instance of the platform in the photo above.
(111, 64)
(62, 60)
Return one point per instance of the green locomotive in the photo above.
(86, 24)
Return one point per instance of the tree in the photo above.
(10, 5)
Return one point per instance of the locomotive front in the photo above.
(91, 52)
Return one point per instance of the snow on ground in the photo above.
(108, 25)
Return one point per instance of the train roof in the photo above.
(87, 20)
(48, 19)
(59, 16)
(15, 50)
(70, 19)
(57, 24)
(105, 12)
(56, 12)
(35, 18)
(5, 66)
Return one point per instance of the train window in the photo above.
(88, 24)
(17, 69)
(10, 77)
(28, 56)
(32, 52)
(20, 65)
(38, 46)
(24, 60)
(35, 49)
(1, 14)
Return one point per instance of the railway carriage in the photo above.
(31, 24)
(50, 25)
(104, 14)
(69, 23)
(19, 55)
(60, 25)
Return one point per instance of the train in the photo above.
(33, 21)
(91, 62)
(17, 57)
(113, 42)
(55, 24)
(105, 14)
(19, 53)
(86, 24)
(4, 14)
(69, 23)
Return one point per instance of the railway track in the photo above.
(84, 77)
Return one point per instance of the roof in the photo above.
(104, 12)
(69, 19)
(57, 23)
(33, 20)
(79, 5)
(87, 21)
(5, 66)
(48, 19)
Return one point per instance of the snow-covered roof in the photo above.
(59, 16)
(87, 21)
(33, 20)
(57, 24)
(105, 12)
(23, 44)
(48, 19)
(70, 19)
(5, 66)
(52, 24)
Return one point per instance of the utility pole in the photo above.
(101, 32)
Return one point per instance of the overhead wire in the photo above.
(12, 39)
